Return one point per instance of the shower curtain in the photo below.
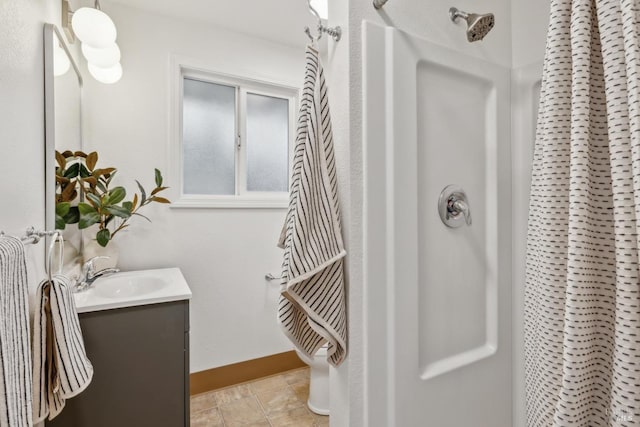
(582, 295)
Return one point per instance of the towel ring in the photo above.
(56, 238)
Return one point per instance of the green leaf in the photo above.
(62, 208)
(160, 200)
(88, 216)
(116, 196)
(142, 193)
(84, 172)
(73, 171)
(73, 216)
(128, 206)
(101, 187)
(158, 178)
(95, 199)
(85, 208)
(118, 211)
(103, 236)
(110, 176)
(60, 223)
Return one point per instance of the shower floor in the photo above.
(275, 401)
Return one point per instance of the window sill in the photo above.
(231, 202)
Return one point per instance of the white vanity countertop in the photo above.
(133, 288)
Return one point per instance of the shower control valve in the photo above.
(453, 207)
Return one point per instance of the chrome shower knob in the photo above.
(453, 207)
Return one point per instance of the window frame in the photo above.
(243, 85)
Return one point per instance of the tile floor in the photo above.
(276, 401)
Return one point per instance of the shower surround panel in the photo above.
(446, 291)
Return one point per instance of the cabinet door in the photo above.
(141, 373)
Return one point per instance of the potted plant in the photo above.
(84, 196)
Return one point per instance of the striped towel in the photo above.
(312, 308)
(61, 367)
(15, 360)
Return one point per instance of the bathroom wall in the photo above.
(223, 253)
(346, 382)
(22, 119)
(529, 31)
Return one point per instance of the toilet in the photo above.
(318, 382)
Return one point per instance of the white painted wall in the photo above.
(529, 21)
(346, 381)
(22, 120)
(223, 253)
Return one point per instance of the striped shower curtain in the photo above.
(582, 296)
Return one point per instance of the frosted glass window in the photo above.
(267, 143)
(208, 135)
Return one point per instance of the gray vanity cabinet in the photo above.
(141, 361)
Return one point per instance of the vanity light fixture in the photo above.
(106, 75)
(104, 58)
(97, 32)
(94, 27)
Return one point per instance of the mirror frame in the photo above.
(50, 32)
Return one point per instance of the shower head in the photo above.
(478, 26)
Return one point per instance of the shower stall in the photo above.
(457, 333)
(438, 183)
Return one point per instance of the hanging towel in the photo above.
(62, 369)
(15, 360)
(312, 308)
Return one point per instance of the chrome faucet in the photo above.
(89, 274)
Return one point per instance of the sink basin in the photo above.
(133, 288)
(127, 285)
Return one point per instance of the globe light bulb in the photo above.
(94, 27)
(104, 58)
(106, 75)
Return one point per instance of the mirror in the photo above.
(63, 124)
